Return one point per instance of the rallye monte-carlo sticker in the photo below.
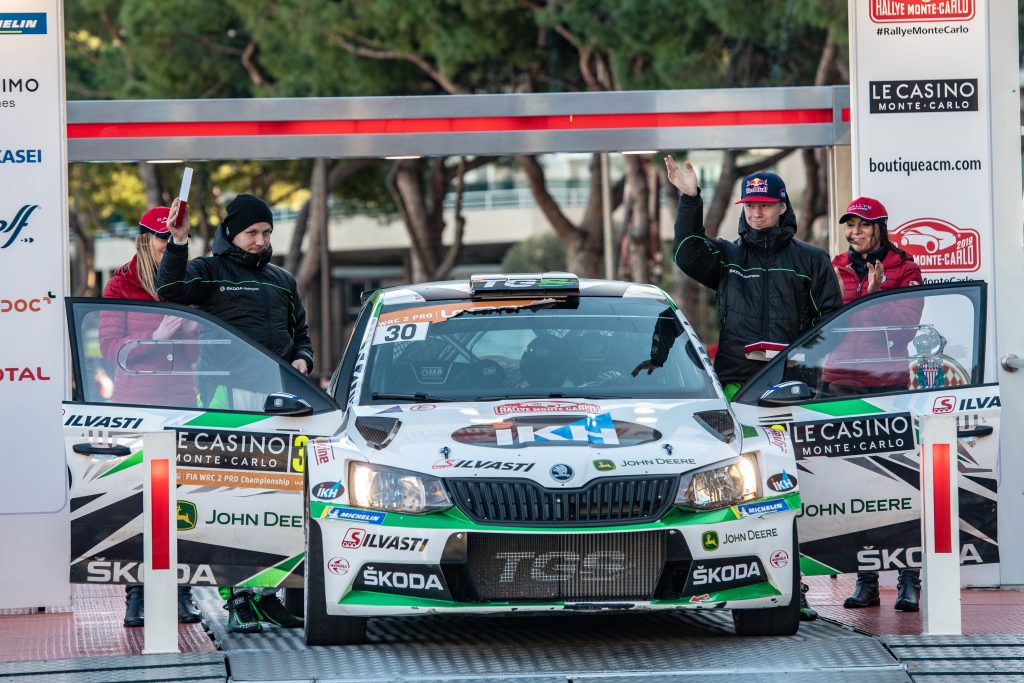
(239, 508)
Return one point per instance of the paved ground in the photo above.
(88, 643)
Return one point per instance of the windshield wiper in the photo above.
(507, 308)
(418, 396)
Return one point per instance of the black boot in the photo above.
(134, 608)
(865, 593)
(188, 613)
(807, 613)
(909, 597)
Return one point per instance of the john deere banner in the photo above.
(33, 266)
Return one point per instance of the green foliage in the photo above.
(541, 253)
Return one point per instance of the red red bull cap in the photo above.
(865, 208)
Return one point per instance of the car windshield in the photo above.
(586, 347)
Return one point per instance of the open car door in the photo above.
(242, 421)
(848, 394)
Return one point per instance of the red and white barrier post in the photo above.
(940, 526)
(160, 543)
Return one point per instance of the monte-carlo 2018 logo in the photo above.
(22, 23)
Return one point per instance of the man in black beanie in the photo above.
(239, 285)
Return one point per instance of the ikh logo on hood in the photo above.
(520, 431)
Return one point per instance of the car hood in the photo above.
(555, 442)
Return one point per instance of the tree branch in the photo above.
(380, 53)
(455, 251)
(545, 202)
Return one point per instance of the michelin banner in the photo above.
(920, 129)
(33, 274)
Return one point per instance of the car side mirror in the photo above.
(287, 404)
(786, 394)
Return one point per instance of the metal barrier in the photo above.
(940, 526)
(160, 543)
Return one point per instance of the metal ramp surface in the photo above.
(556, 648)
(977, 658)
(196, 667)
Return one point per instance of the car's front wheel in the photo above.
(322, 628)
(774, 621)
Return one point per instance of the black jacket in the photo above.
(244, 290)
(771, 287)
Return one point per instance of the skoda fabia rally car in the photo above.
(536, 443)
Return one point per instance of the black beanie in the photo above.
(243, 211)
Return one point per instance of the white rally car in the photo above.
(527, 443)
(542, 443)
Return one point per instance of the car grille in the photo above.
(604, 501)
(566, 567)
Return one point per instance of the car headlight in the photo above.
(386, 488)
(720, 485)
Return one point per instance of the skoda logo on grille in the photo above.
(561, 472)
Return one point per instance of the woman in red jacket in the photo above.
(118, 330)
(858, 365)
(871, 264)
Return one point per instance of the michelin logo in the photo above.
(365, 516)
(754, 509)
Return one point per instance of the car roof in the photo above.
(460, 289)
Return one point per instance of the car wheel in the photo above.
(773, 621)
(320, 627)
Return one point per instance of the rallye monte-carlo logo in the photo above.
(521, 431)
(544, 406)
(911, 11)
(938, 245)
(853, 436)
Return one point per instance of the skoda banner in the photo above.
(33, 272)
(920, 129)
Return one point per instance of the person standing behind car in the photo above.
(771, 287)
(239, 285)
(871, 264)
(119, 330)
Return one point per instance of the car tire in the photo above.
(295, 600)
(320, 627)
(773, 621)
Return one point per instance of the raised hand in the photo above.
(168, 328)
(180, 234)
(684, 178)
(876, 275)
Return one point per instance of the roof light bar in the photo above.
(523, 285)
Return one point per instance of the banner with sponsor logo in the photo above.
(33, 276)
(920, 129)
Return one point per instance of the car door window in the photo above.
(161, 355)
(911, 339)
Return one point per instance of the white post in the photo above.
(940, 526)
(606, 218)
(160, 543)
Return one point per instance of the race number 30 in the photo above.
(390, 334)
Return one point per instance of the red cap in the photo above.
(866, 208)
(154, 222)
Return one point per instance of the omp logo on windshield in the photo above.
(938, 245)
(22, 23)
(884, 11)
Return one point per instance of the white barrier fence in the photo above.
(940, 526)
(160, 543)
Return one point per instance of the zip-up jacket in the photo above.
(244, 290)
(120, 331)
(857, 363)
(771, 287)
